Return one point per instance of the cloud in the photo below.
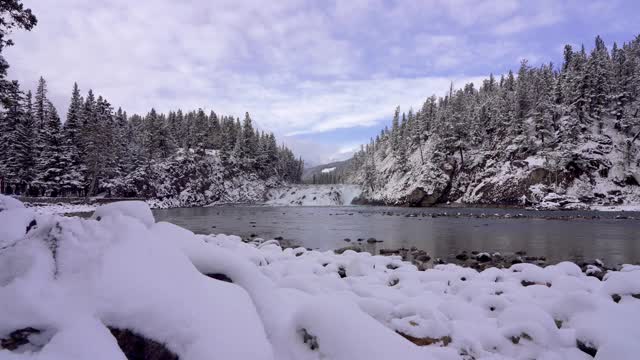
(541, 14)
(299, 67)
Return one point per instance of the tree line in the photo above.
(97, 147)
(543, 108)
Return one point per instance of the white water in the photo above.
(314, 195)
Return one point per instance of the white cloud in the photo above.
(299, 67)
(542, 13)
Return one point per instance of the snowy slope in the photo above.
(71, 278)
(313, 195)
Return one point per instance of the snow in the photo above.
(629, 207)
(136, 209)
(328, 170)
(62, 208)
(73, 277)
(7, 202)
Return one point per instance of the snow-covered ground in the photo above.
(617, 208)
(61, 208)
(313, 195)
(72, 279)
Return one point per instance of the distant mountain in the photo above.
(331, 173)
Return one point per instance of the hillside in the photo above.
(330, 173)
(553, 138)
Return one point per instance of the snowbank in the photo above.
(74, 279)
(62, 208)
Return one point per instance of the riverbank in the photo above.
(260, 301)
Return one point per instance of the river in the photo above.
(556, 235)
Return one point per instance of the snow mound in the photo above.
(7, 202)
(136, 209)
(73, 280)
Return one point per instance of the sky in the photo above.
(324, 76)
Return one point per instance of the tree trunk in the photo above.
(421, 156)
(92, 186)
(461, 158)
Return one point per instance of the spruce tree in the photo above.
(72, 179)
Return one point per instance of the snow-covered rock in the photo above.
(136, 209)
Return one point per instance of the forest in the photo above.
(101, 150)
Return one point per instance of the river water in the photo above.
(557, 235)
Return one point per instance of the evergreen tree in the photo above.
(72, 178)
(13, 15)
(52, 162)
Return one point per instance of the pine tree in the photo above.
(598, 69)
(40, 116)
(24, 146)
(250, 146)
(395, 131)
(51, 163)
(10, 166)
(215, 131)
(13, 15)
(72, 178)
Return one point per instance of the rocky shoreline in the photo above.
(480, 260)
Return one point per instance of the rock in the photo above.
(426, 341)
(586, 348)
(31, 225)
(135, 346)
(343, 249)
(483, 257)
(387, 252)
(423, 258)
(221, 277)
(347, 240)
(342, 272)
(462, 256)
(279, 238)
(419, 197)
(17, 338)
(372, 240)
(309, 339)
(520, 164)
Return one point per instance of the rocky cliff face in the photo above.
(591, 172)
(185, 181)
